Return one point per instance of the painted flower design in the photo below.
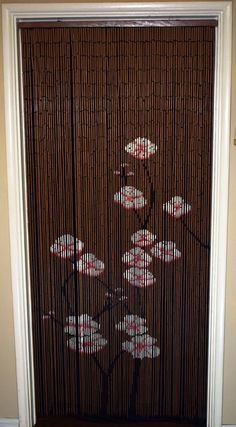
(86, 325)
(143, 238)
(88, 344)
(136, 257)
(49, 315)
(176, 207)
(130, 198)
(118, 293)
(166, 251)
(139, 277)
(66, 246)
(123, 170)
(132, 325)
(141, 148)
(90, 265)
(142, 346)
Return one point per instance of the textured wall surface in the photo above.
(8, 390)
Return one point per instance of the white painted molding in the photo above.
(220, 184)
(140, 10)
(9, 422)
(11, 13)
(229, 425)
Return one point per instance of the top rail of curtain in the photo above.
(118, 23)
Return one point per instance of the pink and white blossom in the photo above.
(141, 148)
(143, 238)
(88, 344)
(136, 257)
(132, 325)
(83, 325)
(166, 251)
(142, 346)
(176, 207)
(139, 277)
(90, 265)
(130, 198)
(66, 246)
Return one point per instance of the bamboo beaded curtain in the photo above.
(118, 134)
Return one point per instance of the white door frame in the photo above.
(12, 13)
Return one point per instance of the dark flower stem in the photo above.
(104, 394)
(64, 288)
(105, 383)
(98, 364)
(202, 244)
(134, 390)
(124, 177)
(113, 363)
(152, 195)
(65, 283)
(139, 218)
(140, 302)
(107, 287)
(105, 308)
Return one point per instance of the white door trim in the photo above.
(9, 422)
(16, 177)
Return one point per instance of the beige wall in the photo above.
(8, 394)
(8, 400)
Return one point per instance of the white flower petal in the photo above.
(142, 346)
(165, 251)
(141, 148)
(128, 346)
(88, 344)
(130, 198)
(136, 257)
(132, 325)
(130, 191)
(176, 207)
(90, 265)
(143, 238)
(177, 254)
(84, 325)
(139, 277)
(66, 246)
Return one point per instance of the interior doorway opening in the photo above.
(219, 218)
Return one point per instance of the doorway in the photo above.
(118, 132)
(19, 252)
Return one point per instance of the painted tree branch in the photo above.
(152, 196)
(105, 383)
(195, 237)
(109, 289)
(134, 390)
(64, 288)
